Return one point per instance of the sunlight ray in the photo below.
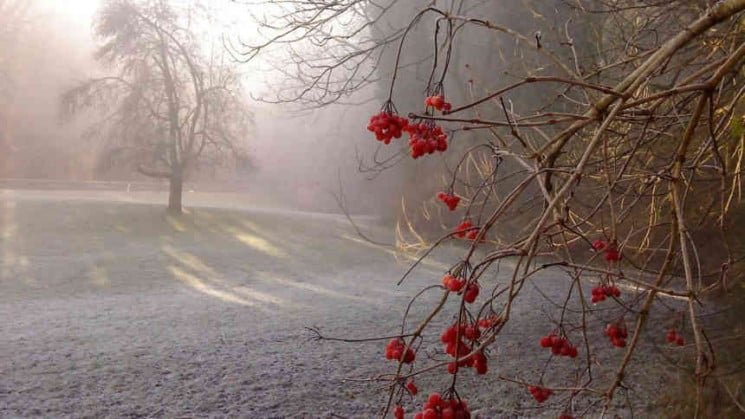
(256, 242)
(201, 286)
(310, 287)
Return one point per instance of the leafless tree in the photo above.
(169, 104)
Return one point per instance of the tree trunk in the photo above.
(176, 186)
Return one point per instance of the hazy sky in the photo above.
(79, 11)
(234, 21)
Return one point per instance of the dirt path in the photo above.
(111, 309)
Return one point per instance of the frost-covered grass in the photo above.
(110, 308)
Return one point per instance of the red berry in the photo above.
(409, 356)
(398, 412)
(612, 254)
(546, 342)
(434, 399)
(462, 228)
(450, 348)
(411, 386)
(680, 341)
(479, 358)
(611, 331)
(437, 102)
(540, 394)
(489, 322)
(452, 367)
(449, 335)
(599, 244)
(453, 284)
(573, 352)
(472, 291)
(481, 367)
(472, 332)
(453, 202)
(555, 341)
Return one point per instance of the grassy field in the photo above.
(112, 309)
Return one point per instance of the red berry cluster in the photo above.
(395, 350)
(674, 337)
(611, 252)
(617, 335)
(449, 199)
(560, 346)
(601, 291)
(540, 394)
(426, 138)
(387, 125)
(452, 283)
(452, 337)
(439, 408)
(455, 284)
(411, 387)
(463, 228)
(438, 102)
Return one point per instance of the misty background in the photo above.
(47, 46)
(298, 151)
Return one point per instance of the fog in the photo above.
(40, 57)
(296, 152)
(297, 155)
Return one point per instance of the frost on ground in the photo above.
(111, 309)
